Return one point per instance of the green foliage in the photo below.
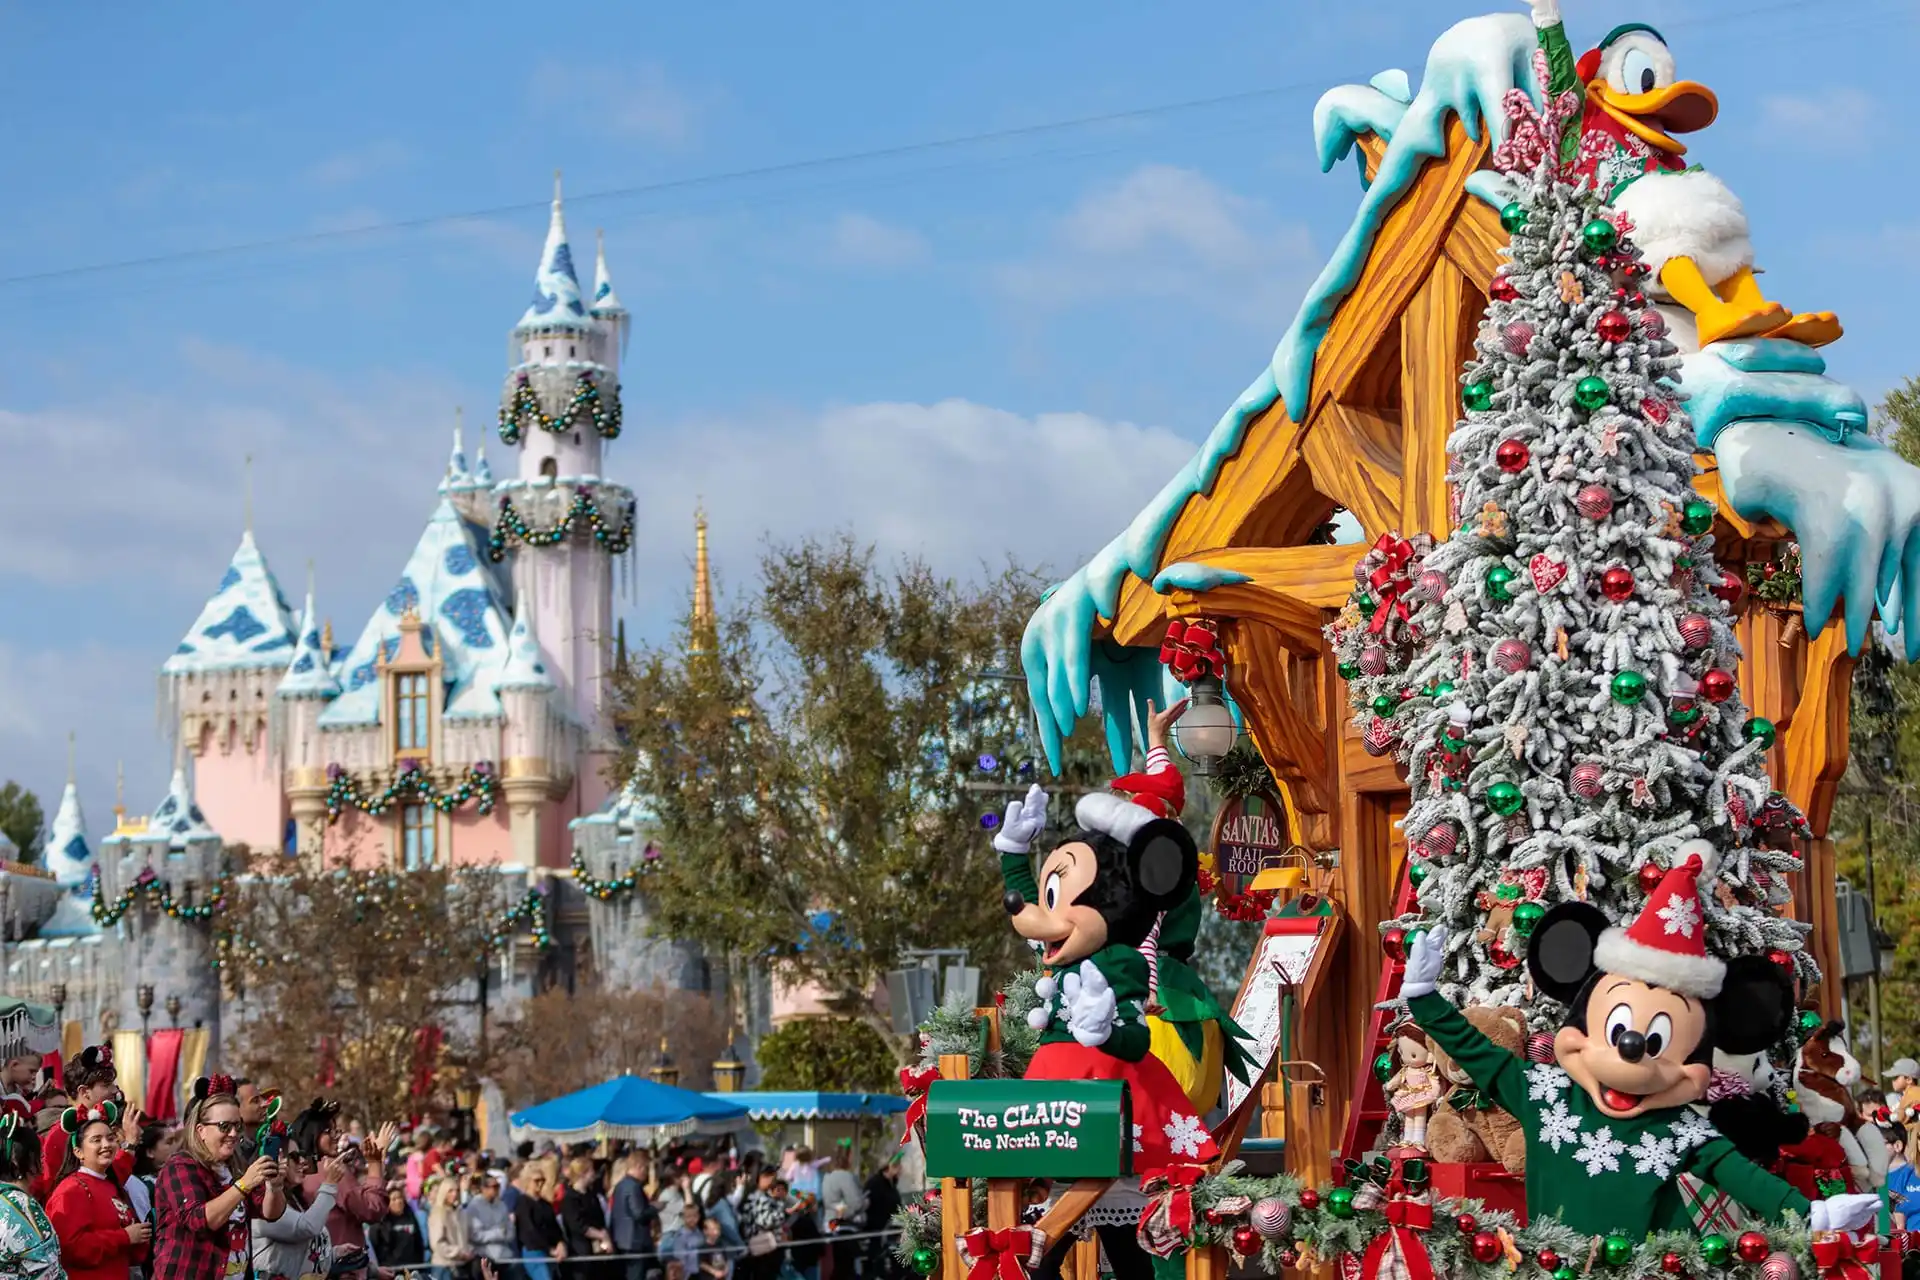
(23, 820)
(836, 1055)
(806, 751)
(1243, 772)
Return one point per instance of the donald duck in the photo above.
(1691, 227)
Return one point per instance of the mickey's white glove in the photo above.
(1424, 956)
(1546, 13)
(1024, 822)
(1843, 1213)
(1090, 1005)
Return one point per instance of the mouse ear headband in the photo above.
(207, 1086)
(16, 1120)
(74, 1120)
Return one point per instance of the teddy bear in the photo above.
(1466, 1128)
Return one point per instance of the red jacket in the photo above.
(91, 1216)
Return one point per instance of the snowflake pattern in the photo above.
(1546, 1082)
(1559, 1126)
(1692, 1130)
(1185, 1135)
(1655, 1155)
(1600, 1150)
(1679, 916)
(1139, 1132)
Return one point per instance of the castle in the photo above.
(467, 724)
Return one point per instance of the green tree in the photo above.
(22, 820)
(808, 753)
(833, 1055)
(1879, 805)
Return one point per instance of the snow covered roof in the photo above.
(626, 809)
(69, 853)
(556, 289)
(523, 668)
(177, 819)
(605, 301)
(308, 674)
(72, 918)
(447, 583)
(482, 470)
(245, 624)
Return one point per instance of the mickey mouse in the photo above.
(1609, 1128)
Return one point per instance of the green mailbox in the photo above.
(1060, 1129)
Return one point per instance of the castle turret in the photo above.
(306, 689)
(526, 690)
(69, 854)
(469, 488)
(612, 857)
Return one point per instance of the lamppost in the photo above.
(58, 994)
(663, 1070)
(729, 1073)
(143, 1000)
(173, 1010)
(1205, 732)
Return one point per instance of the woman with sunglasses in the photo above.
(203, 1209)
(101, 1238)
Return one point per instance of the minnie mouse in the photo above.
(1609, 1128)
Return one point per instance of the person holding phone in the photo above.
(101, 1238)
(297, 1244)
(203, 1211)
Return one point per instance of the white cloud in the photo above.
(356, 164)
(1165, 232)
(1841, 119)
(860, 240)
(103, 692)
(639, 102)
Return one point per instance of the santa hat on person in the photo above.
(1667, 945)
(1131, 803)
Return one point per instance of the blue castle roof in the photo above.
(69, 853)
(246, 623)
(310, 671)
(556, 288)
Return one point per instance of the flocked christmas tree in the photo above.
(1559, 675)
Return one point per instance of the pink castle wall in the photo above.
(358, 841)
(479, 841)
(239, 790)
(809, 1000)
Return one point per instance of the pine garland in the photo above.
(582, 513)
(954, 1028)
(410, 785)
(522, 410)
(1243, 772)
(619, 886)
(158, 893)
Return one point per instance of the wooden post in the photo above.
(956, 1197)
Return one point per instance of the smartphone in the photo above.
(272, 1145)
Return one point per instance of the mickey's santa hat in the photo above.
(1133, 802)
(1667, 945)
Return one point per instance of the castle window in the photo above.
(547, 350)
(550, 468)
(416, 836)
(410, 712)
(569, 348)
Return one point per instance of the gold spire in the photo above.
(702, 583)
(119, 794)
(326, 639)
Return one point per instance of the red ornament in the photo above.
(1585, 780)
(1653, 323)
(1650, 875)
(1440, 840)
(1393, 943)
(1467, 1224)
(1656, 410)
(1501, 957)
(1594, 502)
(1613, 326)
(1673, 1264)
(1716, 685)
(1516, 336)
(1485, 1246)
(1309, 1199)
(1752, 1247)
(1502, 289)
(1246, 1241)
(1782, 958)
(1512, 456)
(1616, 584)
(1540, 1047)
(1729, 589)
(1547, 1259)
(1289, 1257)
(1695, 630)
(1512, 655)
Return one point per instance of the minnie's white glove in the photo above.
(1091, 1005)
(1024, 822)
(1425, 955)
(1843, 1213)
(1546, 13)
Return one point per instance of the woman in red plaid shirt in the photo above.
(202, 1210)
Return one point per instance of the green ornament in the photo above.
(1477, 396)
(1507, 893)
(1505, 799)
(1500, 582)
(1383, 1068)
(1385, 705)
(1340, 1202)
(1810, 1022)
(1599, 236)
(1628, 688)
(1442, 689)
(1417, 873)
(1348, 670)
(1697, 516)
(1365, 604)
(1684, 716)
(1617, 1250)
(1715, 1249)
(1526, 918)
(1513, 217)
(1760, 730)
(925, 1260)
(1565, 1271)
(1590, 393)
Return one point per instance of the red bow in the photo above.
(1389, 582)
(914, 1083)
(1001, 1255)
(1192, 650)
(1405, 1217)
(1167, 1220)
(1841, 1257)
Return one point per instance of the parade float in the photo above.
(1551, 749)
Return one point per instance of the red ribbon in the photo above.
(1841, 1257)
(1404, 1216)
(1173, 1187)
(998, 1255)
(1389, 582)
(1192, 650)
(914, 1083)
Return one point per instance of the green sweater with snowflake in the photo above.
(1595, 1173)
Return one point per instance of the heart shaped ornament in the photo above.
(1547, 573)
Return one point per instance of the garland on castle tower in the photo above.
(582, 512)
(531, 911)
(619, 886)
(410, 786)
(157, 893)
(522, 410)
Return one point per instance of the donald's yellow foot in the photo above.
(1722, 321)
(1810, 328)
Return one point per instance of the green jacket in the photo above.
(1597, 1174)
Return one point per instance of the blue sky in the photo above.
(965, 351)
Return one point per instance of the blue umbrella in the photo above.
(628, 1108)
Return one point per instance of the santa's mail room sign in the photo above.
(1061, 1129)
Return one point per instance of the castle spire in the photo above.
(69, 853)
(457, 460)
(703, 626)
(556, 289)
(606, 303)
(309, 671)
